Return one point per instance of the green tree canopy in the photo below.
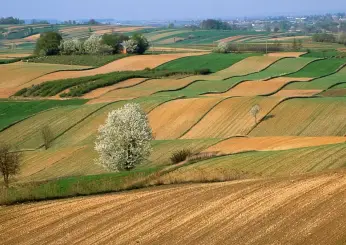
(48, 43)
(114, 40)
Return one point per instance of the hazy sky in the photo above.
(163, 9)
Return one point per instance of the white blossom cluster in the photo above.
(124, 140)
(74, 46)
(130, 46)
(222, 47)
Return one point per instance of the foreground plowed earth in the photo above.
(300, 210)
(132, 63)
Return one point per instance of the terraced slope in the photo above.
(253, 88)
(191, 214)
(17, 75)
(172, 119)
(131, 63)
(231, 117)
(85, 132)
(214, 62)
(320, 83)
(27, 134)
(283, 66)
(263, 164)
(242, 144)
(335, 91)
(320, 68)
(14, 111)
(312, 117)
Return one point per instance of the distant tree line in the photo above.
(212, 24)
(10, 21)
(52, 43)
(330, 38)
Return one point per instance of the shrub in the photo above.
(222, 47)
(48, 44)
(93, 45)
(124, 140)
(203, 71)
(142, 43)
(74, 46)
(130, 46)
(180, 155)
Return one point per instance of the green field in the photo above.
(324, 54)
(321, 83)
(281, 67)
(214, 62)
(14, 111)
(82, 60)
(320, 68)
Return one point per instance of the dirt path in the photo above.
(300, 210)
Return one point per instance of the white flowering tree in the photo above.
(130, 46)
(73, 46)
(124, 140)
(93, 45)
(222, 47)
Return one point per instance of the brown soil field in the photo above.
(131, 63)
(102, 91)
(18, 75)
(296, 93)
(287, 54)
(293, 210)
(32, 38)
(10, 55)
(231, 117)
(334, 92)
(119, 29)
(245, 66)
(172, 119)
(253, 88)
(242, 144)
(233, 38)
(342, 49)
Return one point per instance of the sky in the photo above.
(163, 9)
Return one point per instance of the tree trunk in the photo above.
(255, 119)
(6, 182)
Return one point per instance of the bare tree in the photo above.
(254, 111)
(47, 136)
(9, 162)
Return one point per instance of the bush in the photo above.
(203, 71)
(142, 43)
(323, 37)
(94, 45)
(222, 47)
(180, 155)
(48, 44)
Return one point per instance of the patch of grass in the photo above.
(214, 62)
(324, 54)
(13, 111)
(320, 68)
(75, 186)
(82, 60)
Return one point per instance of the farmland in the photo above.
(245, 142)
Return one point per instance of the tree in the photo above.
(47, 136)
(93, 45)
(222, 47)
(124, 140)
(276, 29)
(129, 46)
(171, 25)
(142, 43)
(254, 112)
(48, 43)
(74, 46)
(9, 162)
(294, 45)
(114, 40)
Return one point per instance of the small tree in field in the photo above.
(47, 136)
(124, 140)
(9, 162)
(254, 112)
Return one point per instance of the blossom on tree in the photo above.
(124, 140)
